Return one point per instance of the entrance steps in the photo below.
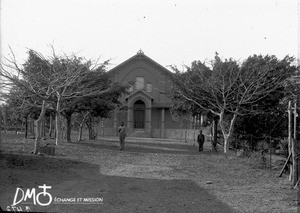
(139, 134)
(142, 140)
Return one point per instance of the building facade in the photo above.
(146, 109)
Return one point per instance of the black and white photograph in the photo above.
(164, 106)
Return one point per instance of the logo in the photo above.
(42, 197)
(30, 194)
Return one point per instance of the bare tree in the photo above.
(52, 81)
(75, 78)
(229, 89)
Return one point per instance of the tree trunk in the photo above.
(57, 120)
(57, 128)
(63, 130)
(55, 134)
(80, 132)
(69, 119)
(227, 135)
(226, 143)
(81, 126)
(26, 127)
(90, 128)
(214, 134)
(38, 126)
(31, 127)
(44, 128)
(215, 130)
(91, 132)
(194, 127)
(4, 120)
(50, 126)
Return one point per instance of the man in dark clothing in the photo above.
(200, 140)
(122, 135)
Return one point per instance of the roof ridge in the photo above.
(139, 55)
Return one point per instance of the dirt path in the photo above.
(120, 194)
(143, 178)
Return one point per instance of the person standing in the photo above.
(200, 140)
(122, 135)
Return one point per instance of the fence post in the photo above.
(294, 147)
(290, 137)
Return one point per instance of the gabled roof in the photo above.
(140, 55)
(139, 92)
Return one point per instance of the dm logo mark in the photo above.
(39, 198)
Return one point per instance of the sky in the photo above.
(171, 32)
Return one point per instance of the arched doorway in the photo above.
(139, 108)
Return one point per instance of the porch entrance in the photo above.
(139, 108)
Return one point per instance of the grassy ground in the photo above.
(146, 177)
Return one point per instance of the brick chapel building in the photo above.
(145, 110)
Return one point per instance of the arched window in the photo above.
(139, 83)
(149, 87)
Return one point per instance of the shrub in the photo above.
(284, 146)
(258, 160)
